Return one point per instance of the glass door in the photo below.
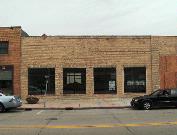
(6, 79)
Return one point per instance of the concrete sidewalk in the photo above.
(100, 103)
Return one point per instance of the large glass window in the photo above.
(74, 80)
(4, 45)
(40, 79)
(135, 79)
(104, 80)
(6, 79)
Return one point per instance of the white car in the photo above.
(9, 102)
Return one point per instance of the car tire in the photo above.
(147, 105)
(1, 108)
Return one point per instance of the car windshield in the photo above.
(155, 93)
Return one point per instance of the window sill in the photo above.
(4, 54)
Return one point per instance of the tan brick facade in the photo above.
(96, 51)
(90, 52)
(13, 58)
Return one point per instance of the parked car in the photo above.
(9, 102)
(159, 98)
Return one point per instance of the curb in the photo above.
(73, 108)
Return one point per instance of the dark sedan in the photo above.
(159, 98)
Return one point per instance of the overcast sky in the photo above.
(91, 17)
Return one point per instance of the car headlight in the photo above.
(136, 100)
(12, 99)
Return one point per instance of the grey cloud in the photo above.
(91, 17)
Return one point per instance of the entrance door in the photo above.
(6, 79)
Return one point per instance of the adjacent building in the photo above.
(168, 71)
(10, 59)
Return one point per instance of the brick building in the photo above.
(10, 58)
(93, 65)
(117, 66)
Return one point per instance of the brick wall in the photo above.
(168, 60)
(98, 51)
(87, 52)
(13, 35)
(156, 53)
(168, 71)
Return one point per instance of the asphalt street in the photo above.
(86, 122)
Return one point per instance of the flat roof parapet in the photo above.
(11, 27)
(90, 37)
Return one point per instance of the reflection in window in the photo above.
(4, 45)
(37, 81)
(74, 80)
(135, 79)
(6, 79)
(174, 92)
(74, 77)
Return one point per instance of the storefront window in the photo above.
(6, 79)
(104, 80)
(74, 80)
(135, 79)
(40, 80)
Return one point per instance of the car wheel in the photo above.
(147, 105)
(1, 107)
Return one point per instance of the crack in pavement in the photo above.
(119, 121)
(49, 120)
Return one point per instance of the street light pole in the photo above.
(46, 88)
(46, 83)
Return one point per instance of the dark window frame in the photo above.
(132, 80)
(74, 87)
(102, 77)
(4, 47)
(8, 68)
(41, 87)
